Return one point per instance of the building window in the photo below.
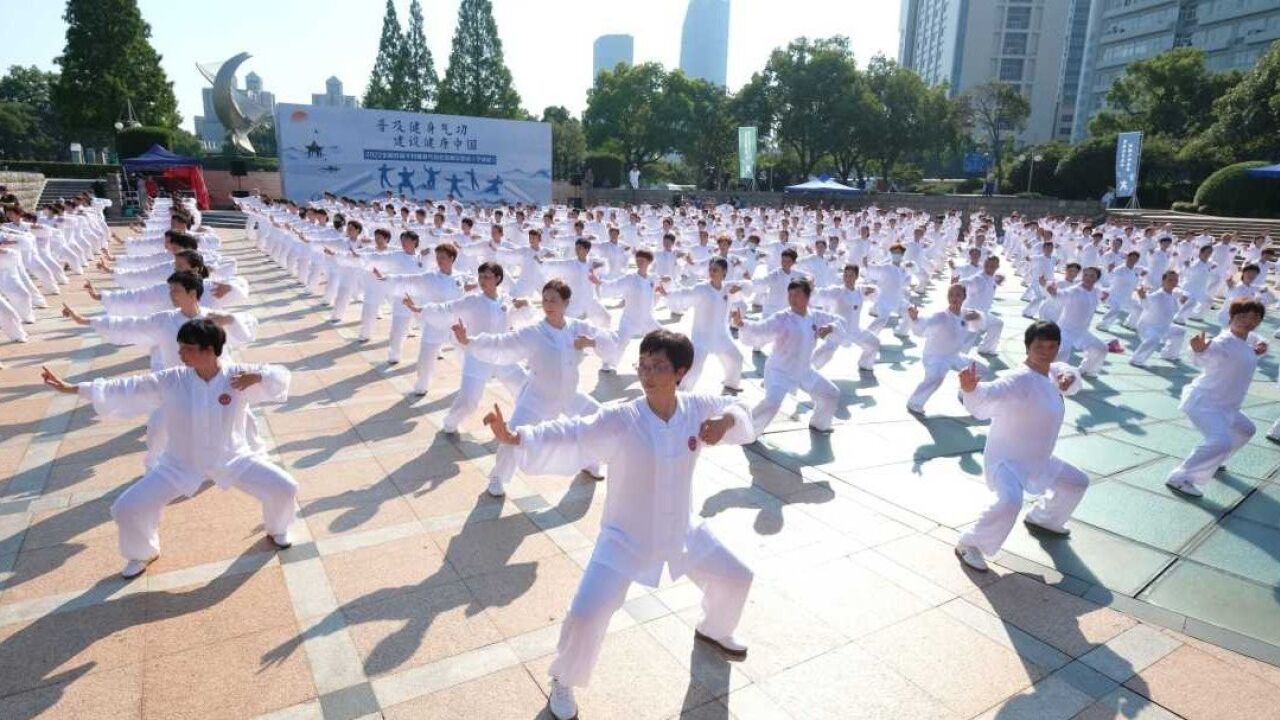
(1015, 44)
(1011, 70)
(1017, 18)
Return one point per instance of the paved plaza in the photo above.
(410, 593)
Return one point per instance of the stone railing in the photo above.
(27, 186)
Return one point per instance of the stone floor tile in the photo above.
(114, 693)
(1130, 652)
(515, 607)
(511, 543)
(1122, 704)
(1197, 685)
(504, 694)
(1068, 623)
(204, 614)
(409, 564)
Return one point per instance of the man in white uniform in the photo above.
(1156, 329)
(944, 333)
(651, 445)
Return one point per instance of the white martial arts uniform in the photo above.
(551, 389)
(647, 523)
(1212, 403)
(944, 334)
(710, 332)
(980, 294)
(1156, 330)
(790, 364)
(1121, 303)
(1078, 306)
(637, 294)
(207, 424)
(847, 305)
(1026, 411)
(155, 298)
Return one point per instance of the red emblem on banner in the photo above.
(224, 399)
(693, 443)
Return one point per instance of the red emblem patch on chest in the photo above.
(224, 399)
(693, 443)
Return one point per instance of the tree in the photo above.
(263, 137)
(908, 116)
(856, 104)
(708, 137)
(27, 91)
(568, 143)
(107, 61)
(1171, 94)
(633, 112)
(803, 86)
(1042, 176)
(998, 111)
(477, 81)
(388, 83)
(1247, 117)
(421, 82)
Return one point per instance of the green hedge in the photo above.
(60, 170)
(134, 141)
(1233, 192)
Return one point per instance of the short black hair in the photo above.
(560, 287)
(492, 267)
(410, 235)
(720, 263)
(675, 346)
(186, 241)
(1244, 306)
(582, 242)
(195, 261)
(203, 333)
(189, 282)
(801, 284)
(790, 252)
(1042, 330)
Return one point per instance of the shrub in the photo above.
(606, 169)
(1185, 206)
(1232, 191)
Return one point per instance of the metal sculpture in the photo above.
(238, 111)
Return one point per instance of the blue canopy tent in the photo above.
(1267, 171)
(173, 167)
(823, 186)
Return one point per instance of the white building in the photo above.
(333, 97)
(610, 50)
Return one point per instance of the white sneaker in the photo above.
(915, 410)
(1185, 488)
(729, 646)
(1033, 526)
(281, 540)
(561, 702)
(972, 556)
(134, 568)
(495, 488)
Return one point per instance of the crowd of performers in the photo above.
(522, 293)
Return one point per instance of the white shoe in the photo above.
(495, 488)
(1034, 526)
(730, 647)
(972, 556)
(915, 410)
(1184, 488)
(134, 568)
(561, 702)
(281, 540)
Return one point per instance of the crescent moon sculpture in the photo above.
(238, 115)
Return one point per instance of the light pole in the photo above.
(1032, 170)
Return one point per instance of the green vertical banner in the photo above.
(746, 153)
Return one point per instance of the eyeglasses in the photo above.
(647, 369)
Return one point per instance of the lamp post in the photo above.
(1032, 170)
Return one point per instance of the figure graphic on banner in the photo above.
(495, 186)
(315, 149)
(383, 180)
(471, 173)
(406, 181)
(432, 173)
(454, 190)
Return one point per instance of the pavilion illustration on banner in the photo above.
(364, 154)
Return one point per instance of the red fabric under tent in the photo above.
(193, 177)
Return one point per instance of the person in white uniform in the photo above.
(794, 333)
(1026, 409)
(845, 301)
(1156, 329)
(638, 291)
(1079, 303)
(651, 445)
(1121, 305)
(980, 294)
(552, 349)
(1212, 401)
(711, 302)
(205, 403)
(944, 333)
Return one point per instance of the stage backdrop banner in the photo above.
(363, 154)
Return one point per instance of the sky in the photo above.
(297, 44)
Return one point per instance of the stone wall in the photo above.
(221, 183)
(27, 186)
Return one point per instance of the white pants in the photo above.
(1127, 307)
(1153, 338)
(19, 295)
(346, 286)
(990, 328)
(11, 322)
(402, 320)
(722, 577)
(1067, 484)
(472, 389)
(1095, 351)
(823, 392)
(727, 353)
(529, 412)
(936, 370)
(1193, 308)
(886, 307)
(375, 295)
(869, 343)
(590, 309)
(137, 510)
(1224, 431)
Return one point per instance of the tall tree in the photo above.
(388, 85)
(899, 124)
(998, 112)
(421, 82)
(568, 143)
(798, 83)
(108, 59)
(1247, 118)
(32, 126)
(1172, 94)
(477, 81)
(708, 139)
(635, 113)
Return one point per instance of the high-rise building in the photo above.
(333, 97)
(1233, 34)
(1072, 60)
(704, 42)
(965, 44)
(610, 50)
(252, 99)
